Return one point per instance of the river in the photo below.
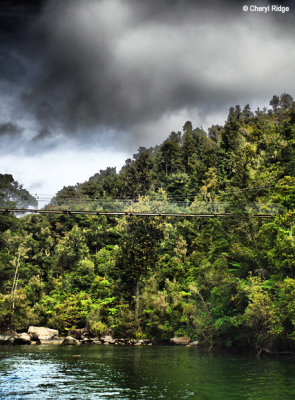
(97, 372)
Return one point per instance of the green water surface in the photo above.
(140, 373)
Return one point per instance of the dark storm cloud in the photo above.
(43, 134)
(10, 129)
(11, 137)
(17, 139)
(127, 66)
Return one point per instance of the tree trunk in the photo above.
(14, 284)
(137, 302)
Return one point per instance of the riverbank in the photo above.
(43, 335)
(75, 337)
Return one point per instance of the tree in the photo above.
(169, 156)
(274, 102)
(286, 100)
(13, 195)
(247, 113)
(71, 248)
(136, 175)
(102, 184)
(139, 244)
(215, 133)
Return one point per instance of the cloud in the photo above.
(43, 134)
(119, 71)
(10, 129)
(46, 173)
(93, 80)
(19, 140)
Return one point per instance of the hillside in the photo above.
(227, 282)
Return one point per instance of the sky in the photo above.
(85, 83)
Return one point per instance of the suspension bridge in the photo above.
(143, 207)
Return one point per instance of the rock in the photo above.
(41, 333)
(79, 334)
(22, 338)
(108, 339)
(51, 342)
(97, 342)
(195, 343)
(181, 340)
(139, 342)
(86, 341)
(4, 338)
(7, 337)
(69, 340)
(85, 336)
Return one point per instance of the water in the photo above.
(140, 373)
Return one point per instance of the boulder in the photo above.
(78, 334)
(40, 333)
(69, 340)
(195, 343)
(22, 338)
(180, 340)
(121, 342)
(96, 341)
(139, 342)
(7, 337)
(50, 342)
(86, 341)
(108, 339)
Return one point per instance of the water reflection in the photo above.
(149, 373)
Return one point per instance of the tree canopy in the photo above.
(227, 282)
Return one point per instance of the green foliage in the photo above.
(12, 194)
(65, 312)
(227, 282)
(15, 311)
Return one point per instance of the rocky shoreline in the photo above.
(43, 336)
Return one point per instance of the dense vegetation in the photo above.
(227, 282)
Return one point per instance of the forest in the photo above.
(227, 282)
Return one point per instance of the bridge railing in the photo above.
(167, 207)
(148, 206)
